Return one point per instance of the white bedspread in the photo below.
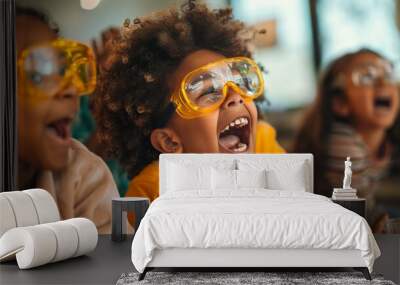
(250, 219)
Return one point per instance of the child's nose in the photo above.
(68, 93)
(378, 82)
(232, 99)
(70, 97)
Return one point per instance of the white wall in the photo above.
(83, 25)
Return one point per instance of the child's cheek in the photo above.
(251, 107)
(396, 99)
(360, 103)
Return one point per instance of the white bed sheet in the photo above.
(252, 218)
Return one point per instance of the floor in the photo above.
(110, 259)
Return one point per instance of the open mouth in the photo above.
(235, 136)
(382, 102)
(61, 128)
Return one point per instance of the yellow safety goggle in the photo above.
(203, 90)
(46, 69)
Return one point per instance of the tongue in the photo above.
(229, 141)
(61, 128)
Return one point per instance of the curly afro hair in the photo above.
(132, 88)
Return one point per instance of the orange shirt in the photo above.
(145, 184)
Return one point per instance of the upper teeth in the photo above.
(239, 122)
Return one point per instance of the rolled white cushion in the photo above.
(87, 235)
(7, 218)
(40, 244)
(45, 205)
(23, 208)
(67, 240)
(33, 246)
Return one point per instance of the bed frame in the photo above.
(247, 259)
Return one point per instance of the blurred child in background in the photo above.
(52, 74)
(356, 114)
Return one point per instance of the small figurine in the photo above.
(347, 174)
(345, 193)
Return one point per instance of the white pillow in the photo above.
(223, 179)
(251, 179)
(295, 180)
(181, 177)
(282, 174)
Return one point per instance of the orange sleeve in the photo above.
(145, 184)
(266, 139)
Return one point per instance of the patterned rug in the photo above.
(230, 278)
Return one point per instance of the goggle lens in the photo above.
(205, 87)
(369, 75)
(48, 68)
(44, 69)
(246, 76)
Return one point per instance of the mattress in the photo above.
(251, 219)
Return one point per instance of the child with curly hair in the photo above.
(356, 114)
(180, 82)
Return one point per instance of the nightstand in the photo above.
(356, 205)
(120, 206)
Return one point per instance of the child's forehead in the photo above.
(191, 62)
(39, 32)
(367, 59)
(200, 58)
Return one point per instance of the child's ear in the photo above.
(166, 141)
(340, 107)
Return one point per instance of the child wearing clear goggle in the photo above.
(180, 82)
(356, 114)
(52, 75)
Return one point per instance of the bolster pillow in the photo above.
(40, 244)
(26, 208)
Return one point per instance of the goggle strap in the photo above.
(161, 120)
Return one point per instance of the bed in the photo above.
(246, 211)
